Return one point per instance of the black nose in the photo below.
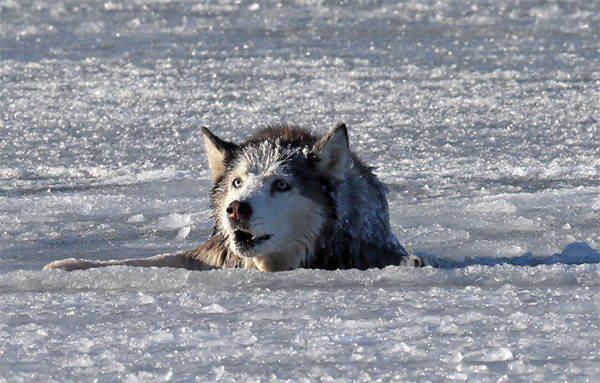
(239, 210)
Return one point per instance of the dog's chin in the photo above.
(248, 245)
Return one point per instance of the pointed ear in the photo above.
(332, 153)
(218, 153)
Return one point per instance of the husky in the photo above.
(286, 199)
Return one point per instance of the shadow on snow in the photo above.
(576, 253)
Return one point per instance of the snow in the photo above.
(481, 116)
(478, 322)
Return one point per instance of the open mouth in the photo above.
(247, 240)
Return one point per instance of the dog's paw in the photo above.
(412, 261)
(70, 264)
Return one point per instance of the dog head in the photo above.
(272, 193)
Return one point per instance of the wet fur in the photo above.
(347, 227)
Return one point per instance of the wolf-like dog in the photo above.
(287, 199)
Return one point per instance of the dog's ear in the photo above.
(218, 152)
(332, 152)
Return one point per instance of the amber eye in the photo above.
(281, 185)
(237, 182)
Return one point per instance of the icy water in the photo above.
(482, 117)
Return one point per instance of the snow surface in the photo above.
(483, 117)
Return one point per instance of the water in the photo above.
(481, 117)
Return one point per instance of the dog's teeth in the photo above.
(245, 237)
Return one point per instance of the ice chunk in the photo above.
(491, 355)
(174, 221)
(495, 206)
(136, 218)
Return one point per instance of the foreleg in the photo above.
(179, 260)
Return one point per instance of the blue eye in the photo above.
(281, 185)
(237, 182)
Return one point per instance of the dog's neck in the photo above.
(276, 262)
(297, 257)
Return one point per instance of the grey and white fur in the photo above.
(287, 199)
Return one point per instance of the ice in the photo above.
(174, 221)
(481, 116)
(480, 320)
